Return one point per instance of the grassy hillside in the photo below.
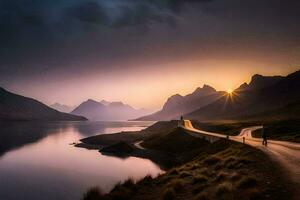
(169, 142)
(201, 170)
(223, 170)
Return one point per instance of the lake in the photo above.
(38, 162)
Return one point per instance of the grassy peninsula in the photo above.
(221, 170)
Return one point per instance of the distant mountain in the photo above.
(62, 108)
(262, 95)
(104, 102)
(178, 105)
(16, 107)
(107, 111)
(259, 82)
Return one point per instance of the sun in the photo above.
(229, 91)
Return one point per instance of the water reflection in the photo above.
(40, 164)
(17, 134)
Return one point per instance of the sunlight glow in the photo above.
(229, 91)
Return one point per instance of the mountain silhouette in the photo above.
(262, 95)
(259, 82)
(17, 107)
(178, 105)
(107, 111)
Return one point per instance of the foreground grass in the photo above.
(222, 170)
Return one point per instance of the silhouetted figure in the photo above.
(264, 137)
(181, 118)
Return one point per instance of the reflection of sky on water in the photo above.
(50, 168)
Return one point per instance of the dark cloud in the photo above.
(33, 27)
(18, 14)
(40, 36)
(16, 18)
(90, 12)
(178, 5)
(142, 15)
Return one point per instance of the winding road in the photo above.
(287, 154)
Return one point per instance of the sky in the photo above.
(142, 51)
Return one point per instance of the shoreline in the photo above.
(164, 160)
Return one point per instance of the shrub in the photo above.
(235, 176)
(93, 194)
(245, 161)
(205, 172)
(173, 172)
(184, 174)
(230, 162)
(117, 186)
(128, 183)
(227, 152)
(146, 180)
(122, 191)
(193, 167)
(234, 162)
(212, 160)
(255, 194)
(218, 166)
(121, 194)
(221, 176)
(202, 196)
(165, 179)
(224, 188)
(199, 179)
(247, 182)
(176, 184)
(198, 189)
(169, 194)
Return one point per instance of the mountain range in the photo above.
(107, 111)
(260, 98)
(178, 105)
(17, 107)
(62, 107)
(264, 97)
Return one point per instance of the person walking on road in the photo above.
(264, 136)
(181, 122)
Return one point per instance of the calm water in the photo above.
(38, 162)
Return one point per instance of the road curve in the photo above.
(138, 145)
(187, 124)
(287, 154)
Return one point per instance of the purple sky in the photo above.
(142, 51)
